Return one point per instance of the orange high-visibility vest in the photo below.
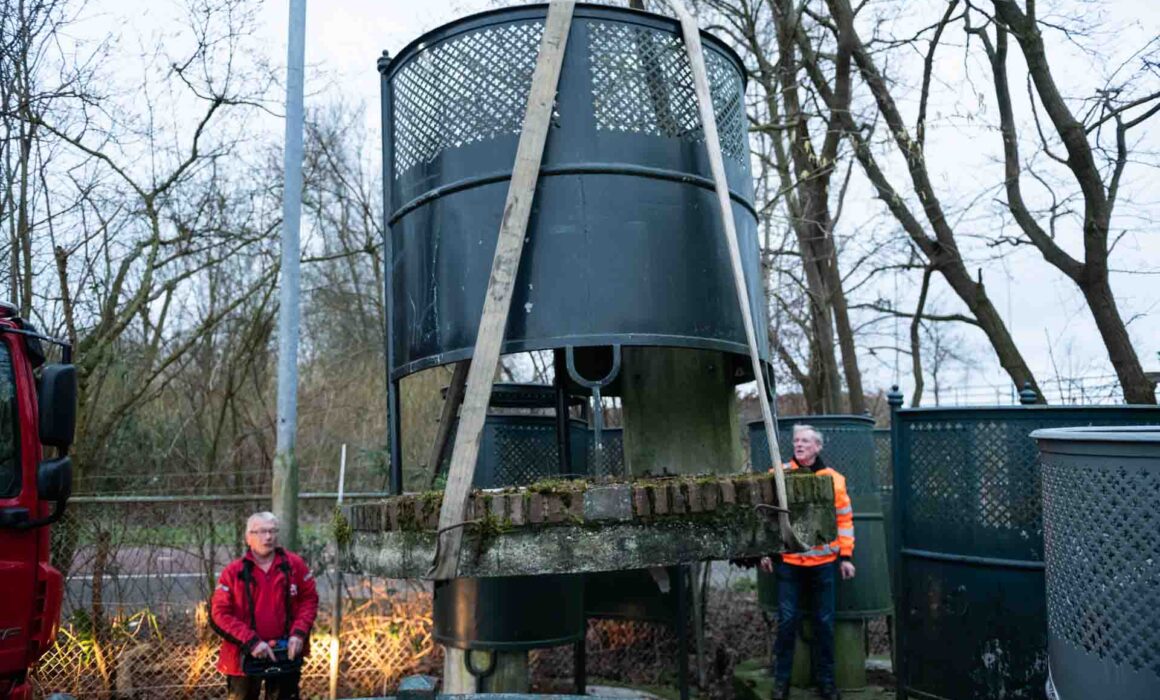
(844, 545)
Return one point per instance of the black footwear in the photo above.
(780, 692)
(830, 694)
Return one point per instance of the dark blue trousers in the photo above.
(797, 585)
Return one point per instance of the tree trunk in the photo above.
(846, 341)
(811, 213)
(1137, 387)
(1092, 274)
(916, 341)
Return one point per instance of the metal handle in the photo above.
(594, 386)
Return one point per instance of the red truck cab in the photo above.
(37, 419)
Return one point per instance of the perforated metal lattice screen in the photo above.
(1103, 580)
(882, 466)
(609, 461)
(642, 82)
(517, 450)
(525, 454)
(470, 88)
(474, 87)
(849, 448)
(972, 480)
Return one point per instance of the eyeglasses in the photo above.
(265, 531)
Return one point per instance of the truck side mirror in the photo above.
(58, 405)
(53, 483)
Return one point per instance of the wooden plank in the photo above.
(451, 405)
(692, 35)
(508, 249)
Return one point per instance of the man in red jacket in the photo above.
(262, 601)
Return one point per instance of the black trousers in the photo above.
(281, 687)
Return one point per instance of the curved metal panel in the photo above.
(1103, 593)
(509, 613)
(624, 243)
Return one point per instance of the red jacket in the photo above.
(250, 605)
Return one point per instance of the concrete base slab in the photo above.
(555, 529)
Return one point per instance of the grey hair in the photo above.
(817, 434)
(264, 516)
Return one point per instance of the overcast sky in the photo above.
(1044, 311)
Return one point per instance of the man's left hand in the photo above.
(846, 568)
(294, 647)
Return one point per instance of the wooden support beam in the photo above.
(451, 404)
(508, 249)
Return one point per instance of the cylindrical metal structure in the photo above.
(849, 449)
(518, 612)
(509, 613)
(624, 246)
(631, 595)
(971, 618)
(1103, 561)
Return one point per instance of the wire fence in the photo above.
(1079, 390)
(139, 573)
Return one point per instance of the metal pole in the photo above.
(285, 482)
(682, 571)
(894, 399)
(563, 424)
(580, 662)
(394, 420)
(340, 562)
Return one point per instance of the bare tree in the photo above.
(788, 133)
(148, 220)
(1095, 167)
(37, 78)
(938, 245)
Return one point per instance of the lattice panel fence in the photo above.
(139, 574)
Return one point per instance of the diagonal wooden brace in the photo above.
(497, 301)
(692, 36)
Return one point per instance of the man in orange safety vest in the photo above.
(815, 571)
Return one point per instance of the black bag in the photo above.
(262, 666)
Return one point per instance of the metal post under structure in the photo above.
(580, 663)
(285, 481)
(895, 399)
(682, 630)
(563, 429)
(394, 419)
